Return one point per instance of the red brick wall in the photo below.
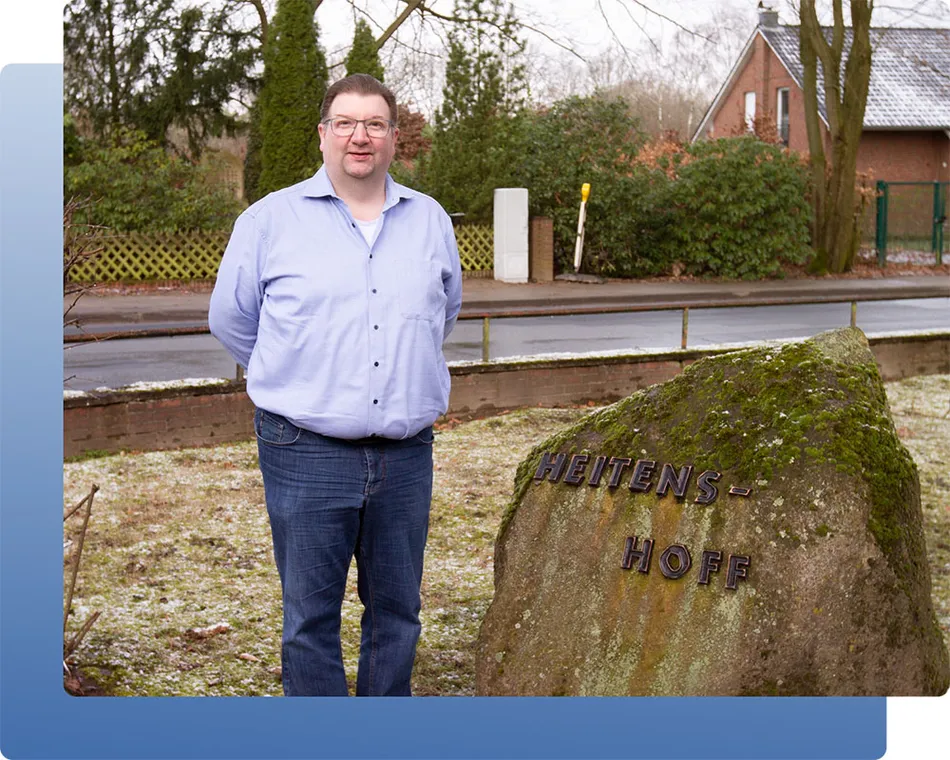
(218, 414)
(488, 388)
(899, 357)
(764, 75)
(905, 156)
(159, 420)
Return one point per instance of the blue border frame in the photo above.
(38, 719)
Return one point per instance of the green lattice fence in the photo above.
(155, 256)
(196, 255)
(476, 244)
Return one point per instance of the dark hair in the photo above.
(361, 84)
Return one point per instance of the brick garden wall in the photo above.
(485, 389)
(206, 415)
(166, 419)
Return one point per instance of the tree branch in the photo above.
(78, 554)
(422, 8)
(80, 634)
(411, 5)
(678, 25)
(637, 23)
(262, 14)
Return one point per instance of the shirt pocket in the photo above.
(421, 293)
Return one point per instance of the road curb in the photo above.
(916, 288)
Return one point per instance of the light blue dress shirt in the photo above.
(342, 338)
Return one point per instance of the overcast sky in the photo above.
(590, 27)
(584, 24)
(587, 23)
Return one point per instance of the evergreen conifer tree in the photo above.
(476, 129)
(252, 158)
(363, 57)
(295, 81)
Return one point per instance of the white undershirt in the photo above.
(369, 229)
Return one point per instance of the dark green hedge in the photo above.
(735, 207)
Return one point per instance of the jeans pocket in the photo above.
(274, 429)
(426, 436)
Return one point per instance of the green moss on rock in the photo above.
(754, 411)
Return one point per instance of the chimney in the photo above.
(768, 19)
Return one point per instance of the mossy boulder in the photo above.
(816, 581)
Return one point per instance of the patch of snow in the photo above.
(555, 356)
(142, 386)
(900, 256)
(907, 333)
(188, 382)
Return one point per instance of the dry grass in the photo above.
(178, 555)
(920, 407)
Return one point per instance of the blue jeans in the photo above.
(327, 500)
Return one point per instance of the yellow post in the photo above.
(579, 245)
(485, 351)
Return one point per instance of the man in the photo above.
(336, 295)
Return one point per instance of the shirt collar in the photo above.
(319, 186)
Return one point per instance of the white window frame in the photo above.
(781, 116)
(750, 110)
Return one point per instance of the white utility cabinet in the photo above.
(511, 234)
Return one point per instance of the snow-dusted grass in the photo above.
(178, 555)
(179, 547)
(920, 407)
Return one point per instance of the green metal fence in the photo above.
(911, 217)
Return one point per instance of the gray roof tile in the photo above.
(910, 75)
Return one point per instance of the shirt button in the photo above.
(352, 225)
(371, 255)
(375, 400)
(375, 364)
(374, 290)
(375, 327)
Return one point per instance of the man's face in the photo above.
(360, 155)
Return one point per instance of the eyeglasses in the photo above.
(344, 126)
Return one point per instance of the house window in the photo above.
(781, 108)
(750, 111)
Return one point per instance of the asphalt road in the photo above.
(122, 362)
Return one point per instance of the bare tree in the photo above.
(417, 39)
(668, 79)
(81, 243)
(846, 71)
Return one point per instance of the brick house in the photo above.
(906, 135)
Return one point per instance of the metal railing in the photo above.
(557, 311)
(632, 308)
